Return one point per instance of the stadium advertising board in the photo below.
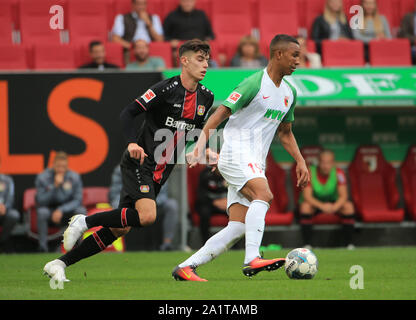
(41, 113)
(332, 87)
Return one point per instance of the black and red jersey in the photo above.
(171, 112)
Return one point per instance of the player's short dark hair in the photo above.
(194, 45)
(279, 39)
(94, 43)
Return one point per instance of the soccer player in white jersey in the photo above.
(260, 105)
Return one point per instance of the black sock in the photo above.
(117, 218)
(347, 228)
(91, 245)
(306, 228)
(348, 231)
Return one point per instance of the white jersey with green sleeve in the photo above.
(258, 107)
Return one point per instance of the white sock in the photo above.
(255, 216)
(217, 244)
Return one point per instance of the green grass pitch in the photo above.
(389, 273)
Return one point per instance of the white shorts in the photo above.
(237, 176)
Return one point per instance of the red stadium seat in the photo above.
(87, 21)
(231, 20)
(395, 52)
(408, 175)
(6, 23)
(373, 186)
(114, 53)
(13, 57)
(390, 9)
(405, 6)
(216, 220)
(158, 49)
(342, 53)
(167, 6)
(163, 50)
(206, 6)
(29, 208)
(91, 196)
(312, 8)
(276, 176)
(276, 17)
(53, 57)
(34, 21)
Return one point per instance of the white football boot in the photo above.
(55, 270)
(77, 226)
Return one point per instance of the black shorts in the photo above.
(137, 182)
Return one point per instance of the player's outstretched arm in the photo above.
(288, 141)
(222, 113)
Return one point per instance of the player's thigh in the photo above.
(257, 189)
(306, 208)
(347, 208)
(147, 211)
(237, 212)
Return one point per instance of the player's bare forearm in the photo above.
(222, 113)
(288, 141)
(342, 197)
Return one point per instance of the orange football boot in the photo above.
(259, 264)
(186, 274)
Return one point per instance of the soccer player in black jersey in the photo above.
(173, 109)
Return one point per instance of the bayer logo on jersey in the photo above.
(301, 263)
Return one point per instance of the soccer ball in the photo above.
(301, 263)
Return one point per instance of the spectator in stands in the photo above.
(376, 26)
(169, 209)
(58, 197)
(186, 23)
(138, 24)
(97, 54)
(332, 24)
(8, 216)
(115, 187)
(212, 198)
(308, 59)
(248, 54)
(143, 61)
(408, 30)
(326, 193)
(166, 206)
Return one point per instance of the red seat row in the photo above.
(231, 19)
(394, 52)
(373, 188)
(66, 56)
(91, 197)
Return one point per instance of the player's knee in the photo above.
(348, 208)
(266, 196)
(147, 218)
(305, 208)
(120, 232)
